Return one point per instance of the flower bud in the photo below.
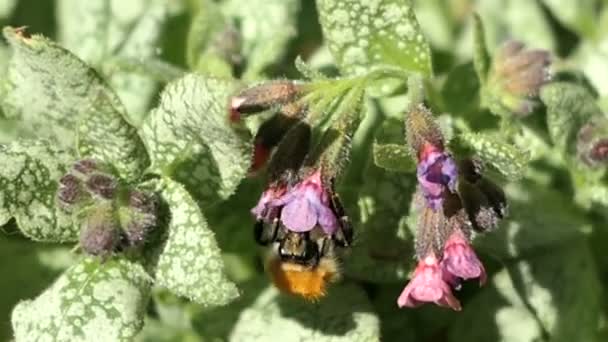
(592, 142)
(102, 185)
(100, 233)
(85, 166)
(262, 97)
(269, 135)
(516, 77)
(422, 132)
(140, 216)
(70, 191)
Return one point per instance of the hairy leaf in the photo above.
(569, 106)
(190, 263)
(28, 185)
(98, 29)
(365, 34)
(266, 28)
(393, 157)
(105, 135)
(481, 57)
(65, 87)
(91, 301)
(344, 315)
(509, 160)
(189, 138)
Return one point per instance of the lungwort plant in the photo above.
(285, 170)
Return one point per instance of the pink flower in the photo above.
(265, 211)
(307, 205)
(428, 285)
(460, 261)
(436, 172)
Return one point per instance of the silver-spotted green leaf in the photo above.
(393, 157)
(190, 263)
(266, 27)
(28, 186)
(189, 138)
(96, 30)
(509, 160)
(481, 56)
(569, 106)
(91, 301)
(562, 289)
(64, 87)
(538, 218)
(497, 313)
(105, 135)
(362, 34)
(383, 244)
(344, 315)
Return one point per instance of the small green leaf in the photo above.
(190, 139)
(91, 301)
(563, 290)
(393, 157)
(481, 57)
(569, 106)
(104, 134)
(190, 263)
(28, 185)
(64, 87)
(509, 160)
(538, 218)
(266, 28)
(344, 315)
(365, 34)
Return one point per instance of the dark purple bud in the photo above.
(592, 142)
(100, 234)
(102, 185)
(70, 190)
(140, 218)
(85, 166)
(262, 97)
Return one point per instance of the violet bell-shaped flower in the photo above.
(265, 210)
(428, 285)
(436, 171)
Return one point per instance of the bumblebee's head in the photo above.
(299, 266)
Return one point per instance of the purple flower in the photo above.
(428, 285)
(307, 205)
(266, 210)
(436, 170)
(460, 261)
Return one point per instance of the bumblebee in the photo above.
(305, 263)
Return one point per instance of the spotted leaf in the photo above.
(364, 34)
(190, 263)
(28, 186)
(189, 138)
(91, 301)
(344, 315)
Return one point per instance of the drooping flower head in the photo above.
(459, 259)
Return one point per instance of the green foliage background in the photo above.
(141, 73)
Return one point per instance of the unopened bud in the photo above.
(516, 77)
(270, 133)
(592, 142)
(140, 216)
(85, 166)
(70, 191)
(422, 131)
(262, 97)
(102, 185)
(100, 234)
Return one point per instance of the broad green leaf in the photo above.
(562, 289)
(65, 88)
(460, 94)
(28, 185)
(579, 16)
(190, 263)
(393, 157)
(91, 301)
(481, 57)
(538, 218)
(105, 135)
(344, 315)
(189, 138)
(266, 28)
(508, 159)
(365, 34)
(379, 207)
(96, 30)
(569, 106)
(497, 313)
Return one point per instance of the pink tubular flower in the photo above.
(436, 171)
(428, 285)
(460, 261)
(265, 210)
(307, 205)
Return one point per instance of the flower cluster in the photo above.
(114, 216)
(455, 199)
